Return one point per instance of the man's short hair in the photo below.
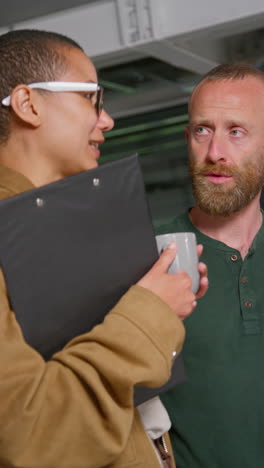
(230, 71)
(28, 56)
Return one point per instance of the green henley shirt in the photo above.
(218, 413)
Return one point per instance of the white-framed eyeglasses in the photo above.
(63, 86)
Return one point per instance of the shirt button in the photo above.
(174, 354)
(234, 258)
(248, 304)
(244, 280)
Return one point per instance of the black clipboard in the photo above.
(70, 249)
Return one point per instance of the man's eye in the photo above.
(236, 132)
(200, 131)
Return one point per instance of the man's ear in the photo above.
(187, 132)
(25, 104)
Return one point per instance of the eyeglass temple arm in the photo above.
(59, 86)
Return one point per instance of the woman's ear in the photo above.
(25, 103)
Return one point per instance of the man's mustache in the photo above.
(204, 169)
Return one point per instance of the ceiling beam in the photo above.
(107, 27)
(178, 56)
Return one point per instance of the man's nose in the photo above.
(105, 121)
(216, 149)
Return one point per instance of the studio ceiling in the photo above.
(149, 53)
(14, 11)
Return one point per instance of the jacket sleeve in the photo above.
(77, 409)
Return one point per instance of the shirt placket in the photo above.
(250, 318)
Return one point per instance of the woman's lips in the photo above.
(95, 147)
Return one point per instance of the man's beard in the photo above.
(227, 198)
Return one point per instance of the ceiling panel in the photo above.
(18, 10)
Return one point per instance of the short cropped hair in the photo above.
(230, 71)
(28, 56)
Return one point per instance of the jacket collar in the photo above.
(12, 182)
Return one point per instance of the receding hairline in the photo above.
(230, 72)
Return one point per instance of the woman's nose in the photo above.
(105, 121)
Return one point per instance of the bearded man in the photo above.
(218, 414)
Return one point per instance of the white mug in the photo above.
(186, 257)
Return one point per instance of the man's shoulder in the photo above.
(180, 223)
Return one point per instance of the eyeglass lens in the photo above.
(99, 100)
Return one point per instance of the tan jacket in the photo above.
(76, 411)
